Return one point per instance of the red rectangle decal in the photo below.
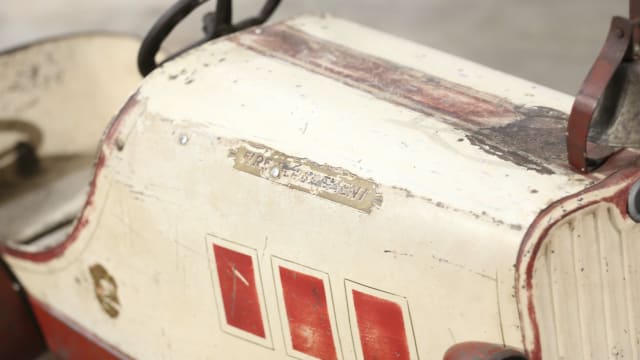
(239, 291)
(307, 313)
(381, 326)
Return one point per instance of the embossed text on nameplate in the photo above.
(327, 182)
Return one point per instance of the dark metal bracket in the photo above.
(215, 25)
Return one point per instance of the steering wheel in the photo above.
(216, 24)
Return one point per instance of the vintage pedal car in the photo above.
(314, 189)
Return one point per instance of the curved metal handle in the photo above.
(594, 100)
(216, 24)
(159, 32)
(589, 97)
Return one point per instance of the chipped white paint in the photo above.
(444, 238)
(183, 139)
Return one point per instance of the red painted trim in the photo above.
(58, 250)
(70, 341)
(627, 176)
(20, 336)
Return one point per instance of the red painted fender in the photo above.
(20, 336)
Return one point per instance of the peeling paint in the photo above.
(530, 137)
(381, 78)
(534, 141)
(481, 216)
(463, 267)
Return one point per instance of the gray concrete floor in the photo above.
(552, 42)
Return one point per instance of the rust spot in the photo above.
(106, 290)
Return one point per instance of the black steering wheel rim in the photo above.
(159, 32)
(216, 24)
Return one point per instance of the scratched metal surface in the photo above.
(549, 42)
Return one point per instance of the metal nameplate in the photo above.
(327, 182)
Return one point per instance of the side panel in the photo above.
(172, 289)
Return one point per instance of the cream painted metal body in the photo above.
(256, 144)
